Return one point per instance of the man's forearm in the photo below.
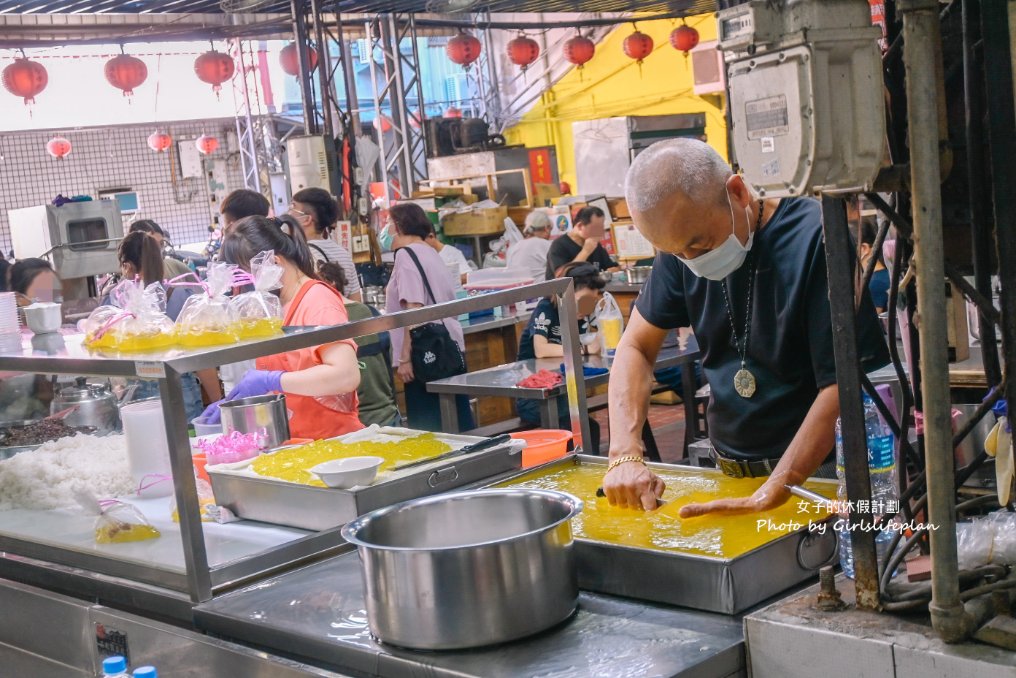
(814, 439)
(628, 394)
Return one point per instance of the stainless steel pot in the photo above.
(638, 274)
(94, 405)
(468, 569)
(265, 415)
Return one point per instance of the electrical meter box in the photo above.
(806, 95)
(313, 163)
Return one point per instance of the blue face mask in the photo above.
(385, 239)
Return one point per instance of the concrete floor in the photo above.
(667, 422)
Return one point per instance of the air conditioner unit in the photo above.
(312, 164)
(710, 76)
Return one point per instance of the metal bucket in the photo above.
(265, 415)
(468, 569)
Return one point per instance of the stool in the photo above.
(700, 454)
(701, 408)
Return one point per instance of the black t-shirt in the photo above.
(564, 250)
(546, 322)
(790, 349)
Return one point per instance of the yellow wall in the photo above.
(612, 85)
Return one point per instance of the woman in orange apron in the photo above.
(320, 382)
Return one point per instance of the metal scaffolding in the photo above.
(254, 128)
(395, 80)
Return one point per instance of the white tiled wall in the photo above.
(119, 158)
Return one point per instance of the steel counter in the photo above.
(318, 613)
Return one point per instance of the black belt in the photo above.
(736, 468)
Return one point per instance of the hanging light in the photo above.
(684, 38)
(463, 49)
(523, 51)
(58, 147)
(383, 124)
(214, 68)
(290, 61)
(159, 141)
(452, 112)
(579, 50)
(126, 72)
(638, 46)
(25, 78)
(206, 144)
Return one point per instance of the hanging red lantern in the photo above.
(638, 46)
(214, 68)
(58, 147)
(159, 141)
(463, 49)
(206, 144)
(383, 124)
(564, 187)
(579, 50)
(25, 78)
(523, 51)
(452, 112)
(684, 38)
(126, 72)
(290, 60)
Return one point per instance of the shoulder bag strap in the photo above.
(422, 274)
(312, 246)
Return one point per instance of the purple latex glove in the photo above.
(254, 383)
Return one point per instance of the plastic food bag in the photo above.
(119, 522)
(259, 313)
(206, 502)
(207, 318)
(989, 539)
(135, 320)
(610, 321)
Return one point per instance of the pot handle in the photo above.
(445, 475)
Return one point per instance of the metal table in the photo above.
(500, 381)
(318, 614)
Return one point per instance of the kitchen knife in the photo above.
(468, 449)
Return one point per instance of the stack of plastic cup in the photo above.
(8, 313)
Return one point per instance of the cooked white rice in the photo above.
(47, 477)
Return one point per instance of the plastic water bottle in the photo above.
(884, 488)
(114, 667)
(146, 672)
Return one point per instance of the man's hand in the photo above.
(773, 493)
(590, 245)
(633, 485)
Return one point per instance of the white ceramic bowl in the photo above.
(349, 472)
(43, 317)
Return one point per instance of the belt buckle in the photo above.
(731, 467)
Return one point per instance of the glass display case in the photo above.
(151, 532)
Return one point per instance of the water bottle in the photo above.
(114, 667)
(146, 672)
(884, 488)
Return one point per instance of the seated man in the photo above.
(530, 255)
(581, 243)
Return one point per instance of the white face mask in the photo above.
(718, 263)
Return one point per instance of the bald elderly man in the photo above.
(749, 276)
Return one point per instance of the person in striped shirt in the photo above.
(316, 211)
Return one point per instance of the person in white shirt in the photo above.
(452, 257)
(316, 211)
(530, 255)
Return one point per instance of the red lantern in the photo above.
(638, 46)
(214, 68)
(564, 187)
(383, 124)
(452, 112)
(206, 144)
(289, 59)
(159, 141)
(684, 38)
(463, 49)
(579, 50)
(25, 79)
(58, 147)
(126, 72)
(523, 51)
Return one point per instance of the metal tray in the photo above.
(726, 585)
(321, 508)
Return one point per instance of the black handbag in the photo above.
(434, 353)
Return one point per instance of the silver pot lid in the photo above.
(82, 392)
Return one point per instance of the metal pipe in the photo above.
(306, 91)
(922, 40)
(977, 183)
(848, 382)
(324, 70)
